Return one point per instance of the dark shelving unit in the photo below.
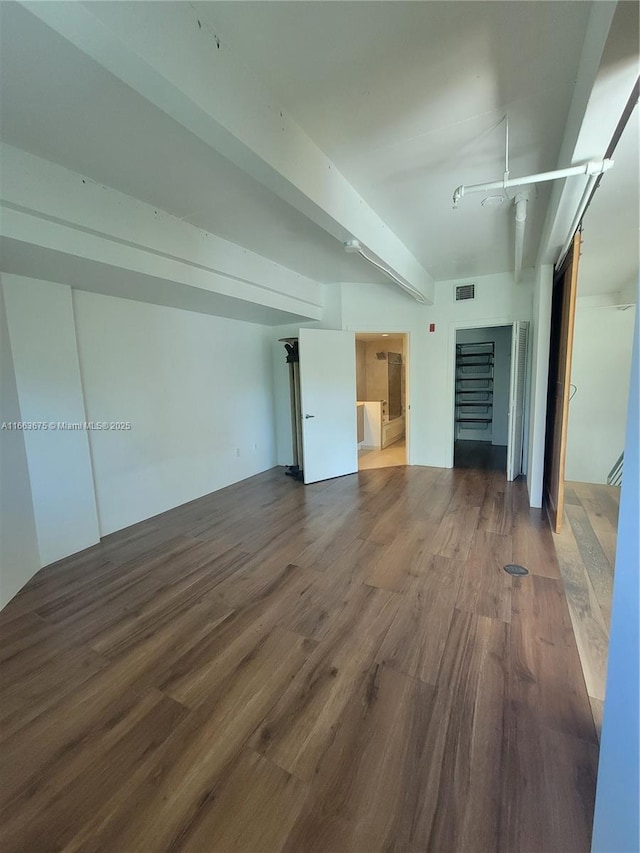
(469, 405)
(474, 387)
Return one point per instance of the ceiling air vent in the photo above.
(465, 291)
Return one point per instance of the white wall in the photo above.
(616, 815)
(498, 431)
(19, 555)
(361, 370)
(197, 390)
(431, 355)
(539, 362)
(598, 410)
(43, 345)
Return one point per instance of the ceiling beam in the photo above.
(100, 239)
(178, 63)
(606, 76)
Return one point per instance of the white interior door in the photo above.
(328, 395)
(516, 399)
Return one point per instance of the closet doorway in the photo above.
(381, 399)
(489, 398)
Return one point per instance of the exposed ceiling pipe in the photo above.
(354, 247)
(505, 177)
(521, 202)
(591, 168)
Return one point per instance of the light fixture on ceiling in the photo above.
(354, 247)
(385, 334)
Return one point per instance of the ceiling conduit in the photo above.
(521, 202)
(354, 247)
(593, 169)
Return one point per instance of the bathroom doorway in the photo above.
(381, 399)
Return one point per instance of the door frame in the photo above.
(524, 328)
(454, 326)
(393, 330)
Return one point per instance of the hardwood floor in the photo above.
(479, 455)
(586, 548)
(343, 668)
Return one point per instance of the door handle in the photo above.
(309, 416)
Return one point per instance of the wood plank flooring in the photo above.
(586, 549)
(342, 668)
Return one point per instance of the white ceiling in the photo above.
(405, 98)
(59, 104)
(610, 238)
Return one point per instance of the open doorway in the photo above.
(482, 374)
(490, 364)
(381, 399)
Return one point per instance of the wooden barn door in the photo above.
(565, 287)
